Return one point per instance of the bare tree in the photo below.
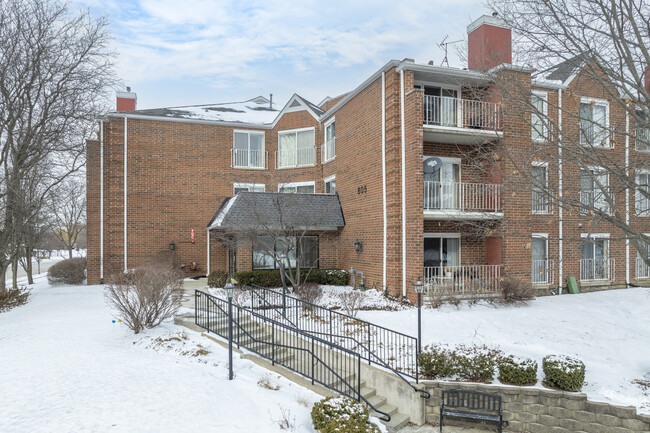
(606, 44)
(55, 73)
(68, 208)
(280, 229)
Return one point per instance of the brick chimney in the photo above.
(489, 43)
(126, 101)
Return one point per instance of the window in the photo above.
(538, 118)
(329, 147)
(441, 106)
(642, 269)
(441, 186)
(298, 187)
(594, 184)
(441, 250)
(594, 122)
(254, 187)
(248, 150)
(594, 257)
(330, 185)
(304, 249)
(642, 194)
(541, 199)
(642, 139)
(296, 148)
(541, 271)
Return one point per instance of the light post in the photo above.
(419, 288)
(282, 257)
(230, 289)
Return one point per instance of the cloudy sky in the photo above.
(175, 52)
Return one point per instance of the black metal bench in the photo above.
(471, 404)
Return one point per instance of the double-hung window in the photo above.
(541, 199)
(642, 269)
(302, 250)
(539, 115)
(642, 134)
(298, 187)
(594, 189)
(594, 122)
(330, 185)
(248, 150)
(329, 147)
(642, 194)
(296, 148)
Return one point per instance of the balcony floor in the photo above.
(455, 135)
(452, 214)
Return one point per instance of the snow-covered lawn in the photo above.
(609, 331)
(65, 367)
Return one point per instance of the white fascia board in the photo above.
(288, 109)
(510, 67)
(199, 121)
(548, 84)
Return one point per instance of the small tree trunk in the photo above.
(70, 251)
(14, 271)
(28, 256)
(3, 276)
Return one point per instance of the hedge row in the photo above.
(272, 278)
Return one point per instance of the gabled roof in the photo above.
(564, 71)
(273, 210)
(298, 103)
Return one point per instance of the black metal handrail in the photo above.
(209, 313)
(308, 318)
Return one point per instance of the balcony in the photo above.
(541, 203)
(458, 200)
(595, 270)
(301, 157)
(543, 272)
(461, 121)
(642, 270)
(595, 200)
(462, 280)
(244, 158)
(642, 139)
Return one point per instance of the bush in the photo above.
(217, 279)
(516, 291)
(11, 298)
(517, 371)
(269, 279)
(341, 414)
(145, 296)
(436, 362)
(334, 277)
(351, 301)
(69, 271)
(564, 372)
(309, 292)
(272, 278)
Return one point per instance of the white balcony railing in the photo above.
(541, 203)
(543, 272)
(597, 269)
(328, 150)
(458, 280)
(595, 200)
(300, 157)
(464, 197)
(642, 139)
(244, 158)
(461, 113)
(593, 134)
(642, 270)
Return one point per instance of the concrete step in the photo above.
(376, 400)
(367, 392)
(397, 421)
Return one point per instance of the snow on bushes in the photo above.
(341, 414)
(517, 370)
(467, 363)
(70, 271)
(564, 372)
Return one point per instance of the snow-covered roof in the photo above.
(257, 111)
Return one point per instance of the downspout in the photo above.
(125, 189)
(627, 197)
(559, 183)
(101, 202)
(207, 271)
(401, 77)
(383, 170)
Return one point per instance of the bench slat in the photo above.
(472, 415)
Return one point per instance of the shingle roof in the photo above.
(273, 210)
(563, 71)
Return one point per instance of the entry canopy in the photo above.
(279, 211)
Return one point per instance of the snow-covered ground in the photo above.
(609, 331)
(65, 367)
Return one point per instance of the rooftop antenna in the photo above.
(445, 46)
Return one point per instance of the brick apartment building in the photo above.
(402, 153)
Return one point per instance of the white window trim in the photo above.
(249, 132)
(328, 179)
(544, 97)
(605, 103)
(324, 152)
(546, 185)
(645, 214)
(594, 235)
(295, 131)
(297, 184)
(236, 185)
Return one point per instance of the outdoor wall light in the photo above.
(358, 246)
(172, 245)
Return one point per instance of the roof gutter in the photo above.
(199, 121)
